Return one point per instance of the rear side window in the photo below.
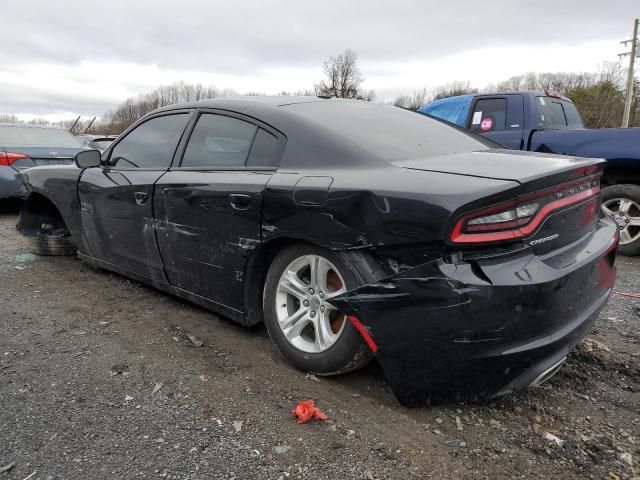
(219, 141)
(489, 115)
(264, 150)
(557, 113)
(151, 144)
(37, 137)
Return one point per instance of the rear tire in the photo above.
(339, 351)
(57, 243)
(622, 203)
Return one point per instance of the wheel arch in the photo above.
(620, 171)
(38, 210)
(259, 263)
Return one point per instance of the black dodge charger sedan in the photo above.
(352, 230)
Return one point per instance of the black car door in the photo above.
(208, 208)
(116, 198)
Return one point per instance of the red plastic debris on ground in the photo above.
(306, 410)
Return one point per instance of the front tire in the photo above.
(53, 243)
(622, 203)
(309, 332)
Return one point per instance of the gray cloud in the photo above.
(245, 37)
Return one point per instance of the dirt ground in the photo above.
(99, 380)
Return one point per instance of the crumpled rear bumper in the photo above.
(482, 328)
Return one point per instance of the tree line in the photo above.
(599, 96)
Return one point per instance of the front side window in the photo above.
(151, 144)
(219, 141)
(557, 113)
(489, 115)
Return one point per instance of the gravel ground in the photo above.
(100, 380)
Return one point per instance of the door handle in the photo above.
(140, 197)
(239, 201)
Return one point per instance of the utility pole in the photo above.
(630, 77)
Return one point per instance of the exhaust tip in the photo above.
(548, 373)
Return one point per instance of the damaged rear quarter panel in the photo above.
(380, 206)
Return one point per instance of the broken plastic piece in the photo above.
(306, 410)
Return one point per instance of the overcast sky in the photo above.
(64, 58)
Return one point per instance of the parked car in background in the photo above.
(351, 229)
(97, 142)
(23, 146)
(550, 123)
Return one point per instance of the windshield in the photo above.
(557, 113)
(37, 137)
(391, 133)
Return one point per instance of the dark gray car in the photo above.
(24, 146)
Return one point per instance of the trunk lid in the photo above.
(42, 156)
(535, 170)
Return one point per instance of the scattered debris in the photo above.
(194, 340)
(7, 467)
(280, 449)
(459, 424)
(128, 398)
(237, 425)
(591, 343)
(378, 446)
(24, 257)
(311, 376)
(306, 410)
(537, 429)
(29, 476)
(119, 369)
(627, 458)
(439, 421)
(627, 294)
(157, 388)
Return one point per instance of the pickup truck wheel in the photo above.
(53, 243)
(307, 330)
(622, 203)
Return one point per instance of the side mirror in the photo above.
(88, 159)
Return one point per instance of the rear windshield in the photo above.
(557, 113)
(37, 137)
(391, 133)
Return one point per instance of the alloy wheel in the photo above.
(305, 316)
(626, 214)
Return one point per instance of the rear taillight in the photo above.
(9, 158)
(521, 217)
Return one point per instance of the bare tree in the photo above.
(343, 77)
(8, 118)
(454, 89)
(412, 102)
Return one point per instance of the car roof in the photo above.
(528, 93)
